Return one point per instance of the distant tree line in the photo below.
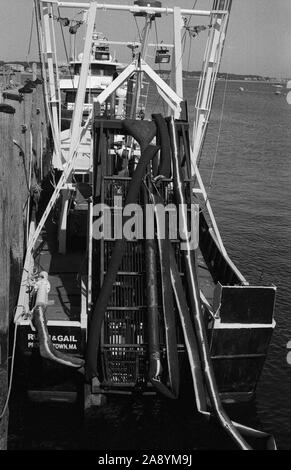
(186, 74)
(220, 75)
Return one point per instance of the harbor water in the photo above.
(246, 166)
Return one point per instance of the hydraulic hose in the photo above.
(142, 131)
(194, 297)
(167, 305)
(194, 355)
(115, 261)
(164, 168)
(189, 335)
(194, 358)
(46, 347)
(155, 364)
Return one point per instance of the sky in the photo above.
(258, 39)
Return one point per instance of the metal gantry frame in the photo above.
(139, 66)
(219, 18)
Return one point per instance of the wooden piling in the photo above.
(24, 151)
(6, 152)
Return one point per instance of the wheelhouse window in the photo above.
(102, 70)
(102, 55)
(89, 96)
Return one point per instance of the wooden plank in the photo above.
(17, 164)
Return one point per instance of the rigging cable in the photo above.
(138, 31)
(65, 48)
(189, 53)
(157, 42)
(183, 40)
(30, 34)
(189, 18)
(218, 135)
(170, 71)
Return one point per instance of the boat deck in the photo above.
(65, 271)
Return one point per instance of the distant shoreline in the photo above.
(237, 80)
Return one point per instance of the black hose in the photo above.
(115, 261)
(169, 314)
(194, 356)
(163, 140)
(194, 297)
(153, 327)
(189, 335)
(142, 131)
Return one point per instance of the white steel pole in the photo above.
(144, 42)
(80, 98)
(215, 228)
(178, 63)
(212, 58)
(53, 101)
(131, 8)
(55, 57)
(164, 87)
(77, 118)
(43, 58)
(73, 149)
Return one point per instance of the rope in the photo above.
(138, 31)
(11, 372)
(189, 54)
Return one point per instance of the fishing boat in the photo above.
(103, 69)
(278, 89)
(115, 303)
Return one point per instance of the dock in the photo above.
(24, 161)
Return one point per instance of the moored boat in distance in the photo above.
(112, 303)
(278, 90)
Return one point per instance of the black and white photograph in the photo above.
(145, 229)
